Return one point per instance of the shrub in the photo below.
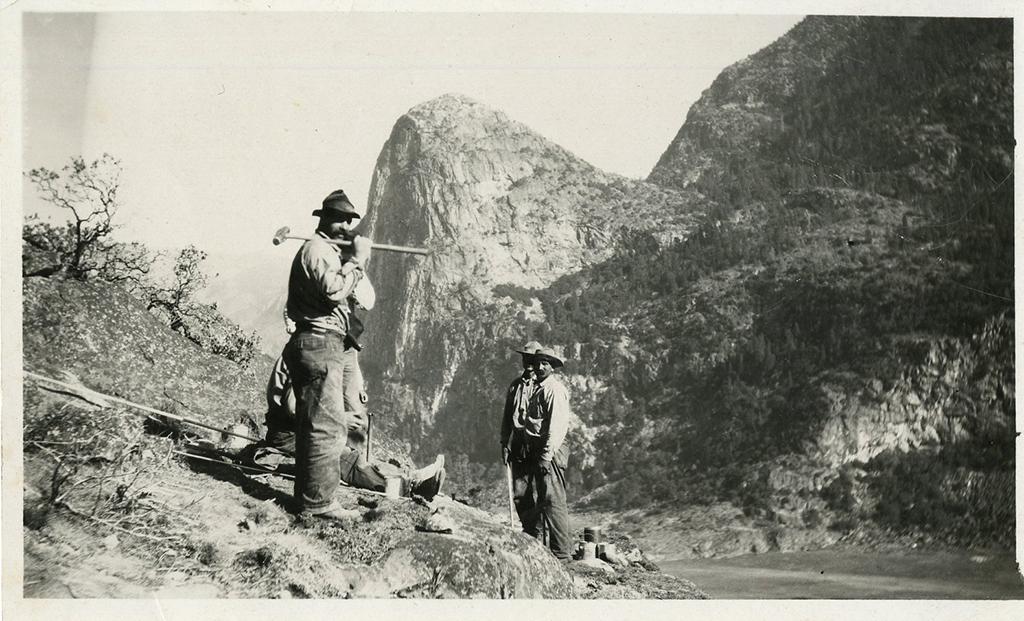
(838, 495)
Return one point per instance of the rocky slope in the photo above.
(105, 338)
(894, 105)
(227, 536)
(114, 509)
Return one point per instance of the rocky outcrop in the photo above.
(496, 205)
(960, 389)
(230, 538)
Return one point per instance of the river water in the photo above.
(841, 574)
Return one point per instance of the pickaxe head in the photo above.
(281, 235)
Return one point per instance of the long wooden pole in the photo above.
(511, 503)
(85, 393)
(284, 233)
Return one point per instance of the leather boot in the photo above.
(427, 481)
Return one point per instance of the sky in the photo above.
(231, 125)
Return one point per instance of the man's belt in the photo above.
(305, 326)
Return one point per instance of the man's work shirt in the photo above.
(317, 290)
(547, 415)
(516, 400)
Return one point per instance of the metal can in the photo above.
(393, 487)
(589, 551)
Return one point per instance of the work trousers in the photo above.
(324, 374)
(355, 470)
(539, 498)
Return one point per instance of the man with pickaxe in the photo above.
(322, 354)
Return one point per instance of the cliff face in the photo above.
(497, 206)
(958, 390)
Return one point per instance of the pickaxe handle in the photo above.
(282, 234)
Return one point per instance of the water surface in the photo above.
(839, 574)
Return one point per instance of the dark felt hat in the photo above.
(337, 204)
(546, 353)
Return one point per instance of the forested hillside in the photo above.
(859, 237)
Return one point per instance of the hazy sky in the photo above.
(230, 125)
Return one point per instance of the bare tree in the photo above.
(82, 246)
(176, 295)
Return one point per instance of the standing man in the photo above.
(539, 459)
(324, 368)
(514, 436)
(355, 469)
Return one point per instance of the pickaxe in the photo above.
(282, 234)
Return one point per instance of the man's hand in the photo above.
(361, 247)
(506, 454)
(544, 467)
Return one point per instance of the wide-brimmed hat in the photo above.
(546, 353)
(337, 204)
(529, 349)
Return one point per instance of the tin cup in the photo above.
(607, 551)
(589, 551)
(393, 487)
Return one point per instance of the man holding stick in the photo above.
(513, 441)
(534, 426)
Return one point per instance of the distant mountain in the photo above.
(504, 212)
(251, 291)
(807, 310)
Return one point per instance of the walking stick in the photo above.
(369, 433)
(511, 503)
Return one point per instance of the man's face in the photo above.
(336, 227)
(542, 368)
(528, 366)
